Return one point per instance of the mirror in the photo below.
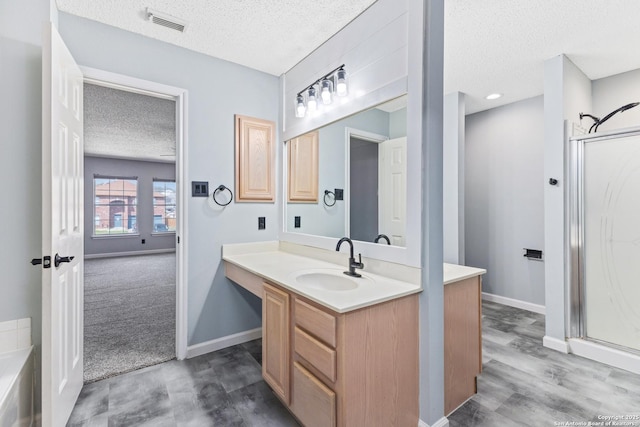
(348, 178)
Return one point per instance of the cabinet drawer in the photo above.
(313, 351)
(312, 402)
(316, 321)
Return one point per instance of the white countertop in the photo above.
(281, 268)
(454, 273)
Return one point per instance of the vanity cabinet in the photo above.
(275, 340)
(462, 340)
(331, 369)
(345, 369)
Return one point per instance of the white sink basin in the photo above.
(328, 280)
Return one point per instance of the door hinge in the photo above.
(45, 261)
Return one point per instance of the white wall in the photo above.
(567, 92)
(217, 90)
(453, 173)
(21, 25)
(504, 198)
(612, 92)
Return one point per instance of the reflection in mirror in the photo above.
(349, 178)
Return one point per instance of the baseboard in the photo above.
(607, 355)
(224, 342)
(129, 253)
(536, 308)
(555, 344)
(442, 422)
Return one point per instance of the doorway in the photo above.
(135, 216)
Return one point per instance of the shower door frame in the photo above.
(576, 315)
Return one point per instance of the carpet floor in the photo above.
(129, 313)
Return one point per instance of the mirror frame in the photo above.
(410, 253)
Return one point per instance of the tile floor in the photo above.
(224, 388)
(522, 384)
(525, 384)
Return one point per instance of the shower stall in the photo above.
(604, 244)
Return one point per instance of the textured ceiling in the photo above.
(267, 35)
(500, 46)
(128, 125)
(490, 45)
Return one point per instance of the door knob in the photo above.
(57, 260)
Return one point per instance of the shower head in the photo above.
(614, 112)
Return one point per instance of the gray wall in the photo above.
(217, 90)
(146, 172)
(504, 209)
(613, 92)
(363, 214)
(398, 123)
(20, 163)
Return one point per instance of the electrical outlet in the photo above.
(144, 241)
(339, 194)
(296, 222)
(262, 223)
(199, 189)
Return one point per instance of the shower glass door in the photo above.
(610, 246)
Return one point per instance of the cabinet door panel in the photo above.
(303, 168)
(320, 324)
(255, 160)
(312, 402)
(275, 340)
(313, 351)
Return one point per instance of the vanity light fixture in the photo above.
(301, 107)
(493, 96)
(326, 90)
(312, 101)
(333, 83)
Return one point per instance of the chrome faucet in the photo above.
(352, 261)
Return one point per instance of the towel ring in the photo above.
(326, 193)
(219, 189)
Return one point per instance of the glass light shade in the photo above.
(312, 101)
(341, 83)
(301, 108)
(326, 91)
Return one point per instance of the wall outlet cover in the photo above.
(199, 189)
(296, 222)
(339, 194)
(262, 223)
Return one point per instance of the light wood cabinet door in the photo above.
(313, 403)
(275, 340)
(255, 159)
(303, 168)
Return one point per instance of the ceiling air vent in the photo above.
(166, 20)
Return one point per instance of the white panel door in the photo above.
(392, 197)
(62, 230)
(612, 241)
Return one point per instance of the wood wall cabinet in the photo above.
(303, 168)
(275, 340)
(462, 341)
(255, 159)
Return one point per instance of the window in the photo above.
(115, 206)
(164, 206)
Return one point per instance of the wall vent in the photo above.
(166, 20)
